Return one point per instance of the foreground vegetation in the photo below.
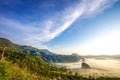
(18, 66)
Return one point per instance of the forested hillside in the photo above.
(16, 65)
(43, 53)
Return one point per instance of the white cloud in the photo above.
(51, 28)
(83, 8)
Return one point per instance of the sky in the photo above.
(85, 27)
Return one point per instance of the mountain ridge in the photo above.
(45, 54)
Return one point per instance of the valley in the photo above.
(99, 67)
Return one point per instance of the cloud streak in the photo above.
(48, 29)
(71, 14)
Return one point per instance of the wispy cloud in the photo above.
(50, 28)
(71, 14)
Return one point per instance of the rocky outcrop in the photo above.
(85, 66)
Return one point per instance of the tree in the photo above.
(2, 55)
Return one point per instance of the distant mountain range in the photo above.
(45, 54)
(103, 56)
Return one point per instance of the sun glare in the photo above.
(106, 44)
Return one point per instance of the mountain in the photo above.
(17, 65)
(7, 43)
(45, 54)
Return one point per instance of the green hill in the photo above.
(43, 53)
(16, 65)
(7, 43)
(19, 66)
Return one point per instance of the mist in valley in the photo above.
(105, 66)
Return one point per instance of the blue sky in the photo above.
(63, 26)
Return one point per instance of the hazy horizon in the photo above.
(99, 67)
